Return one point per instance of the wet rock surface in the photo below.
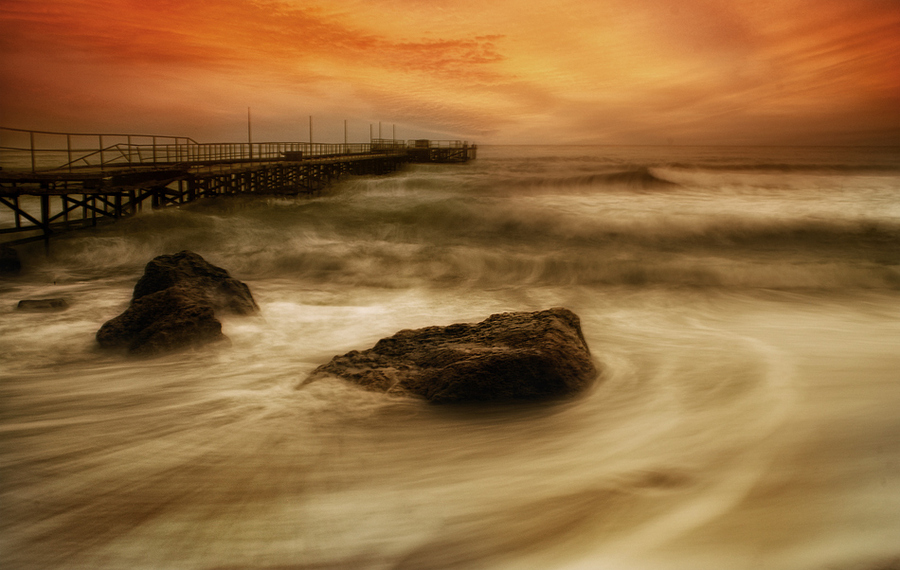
(174, 306)
(206, 282)
(42, 305)
(507, 357)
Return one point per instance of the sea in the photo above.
(742, 304)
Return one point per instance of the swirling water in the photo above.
(743, 304)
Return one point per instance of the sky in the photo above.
(724, 72)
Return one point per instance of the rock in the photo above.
(507, 357)
(174, 306)
(163, 321)
(189, 270)
(9, 260)
(42, 305)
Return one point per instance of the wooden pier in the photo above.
(53, 182)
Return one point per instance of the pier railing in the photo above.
(36, 151)
(428, 143)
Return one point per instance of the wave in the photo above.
(841, 160)
(787, 167)
(636, 178)
(426, 228)
(383, 266)
(641, 178)
(489, 243)
(397, 241)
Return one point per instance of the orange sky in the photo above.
(493, 71)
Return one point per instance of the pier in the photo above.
(52, 182)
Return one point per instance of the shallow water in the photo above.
(744, 305)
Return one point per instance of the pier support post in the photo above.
(16, 209)
(45, 220)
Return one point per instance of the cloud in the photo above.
(512, 70)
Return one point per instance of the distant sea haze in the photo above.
(743, 304)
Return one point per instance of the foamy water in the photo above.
(743, 306)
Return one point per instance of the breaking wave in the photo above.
(637, 178)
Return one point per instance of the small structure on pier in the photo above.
(424, 150)
(77, 180)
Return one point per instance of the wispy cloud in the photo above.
(603, 71)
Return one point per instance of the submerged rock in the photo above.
(174, 306)
(508, 356)
(42, 305)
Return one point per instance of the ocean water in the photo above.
(743, 304)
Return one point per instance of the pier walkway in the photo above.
(52, 182)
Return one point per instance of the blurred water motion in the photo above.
(746, 317)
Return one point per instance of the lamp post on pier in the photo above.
(249, 133)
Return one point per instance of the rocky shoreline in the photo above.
(507, 357)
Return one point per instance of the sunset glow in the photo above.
(506, 71)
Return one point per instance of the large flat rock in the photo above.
(507, 357)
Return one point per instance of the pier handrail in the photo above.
(104, 150)
(31, 147)
(96, 134)
(429, 143)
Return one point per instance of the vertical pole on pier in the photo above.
(370, 133)
(249, 133)
(100, 140)
(32, 152)
(345, 135)
(69, 150)
(379, 129)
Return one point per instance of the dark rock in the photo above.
(509, 356)
(42, 305)
(174, 306)
(189, 270)
(163, 321)
(9, 260)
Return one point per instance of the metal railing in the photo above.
(389, 145)
(39, 151)
(428, 143)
